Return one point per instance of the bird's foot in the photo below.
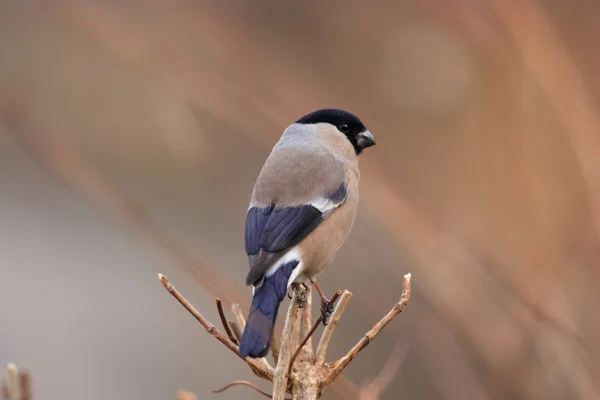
(326, 308)
(293, 287)
(301, 293)
(326, 311)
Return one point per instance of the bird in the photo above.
(302, 208)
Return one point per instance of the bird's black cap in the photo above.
(346, 122)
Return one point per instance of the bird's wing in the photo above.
(293, 195)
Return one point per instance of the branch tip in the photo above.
(261, 369)
(224, 321)
(343, 362)
(333, 321)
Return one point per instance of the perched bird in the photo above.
(301, 211)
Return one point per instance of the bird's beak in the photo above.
(366, 139)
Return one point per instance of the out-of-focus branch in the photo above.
(547, 56)
(13, 379)
(18, 386)
(375, 389)
(451, 374)
(183, 395)
(237, 332)
(239, 315)
(62, 161)
(340, 365)
(151, 54)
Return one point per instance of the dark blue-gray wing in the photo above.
(270, 231)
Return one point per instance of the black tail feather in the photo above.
(258, 333)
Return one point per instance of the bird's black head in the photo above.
(345, 122)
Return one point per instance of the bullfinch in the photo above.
(302, 208)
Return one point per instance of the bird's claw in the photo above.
(326, 311)
(301, 299)
(301, 293)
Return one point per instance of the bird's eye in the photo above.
(344, 128)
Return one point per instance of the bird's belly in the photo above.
(320, 247)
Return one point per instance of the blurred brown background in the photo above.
(132, 132)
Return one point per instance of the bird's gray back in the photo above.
(299, 169)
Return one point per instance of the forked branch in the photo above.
(328, 331)
(311, 374)
(18, 386)
(262, 370)
(289, 339)
(310, 332)
(370, 336)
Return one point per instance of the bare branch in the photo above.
(370, 336)
(308, 319)
(328, 331)
(275, 348)
(345, 388)
(25, 385)
(289, 337)
(5, 390)
(263, 370)
(18, 386)
(244, 383)
(224, 322)
(13, 378)
(313, 329)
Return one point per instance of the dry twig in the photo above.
(224, 322)
(25, 385)
(312, 330)
(328, 331)
(260, 369)
(307, 383)
(5, 391)
(13, 379)
(308, 319)
(275, 348)
(18, 386)
(289, 337)
(370, 336)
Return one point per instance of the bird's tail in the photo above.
(256, 339)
